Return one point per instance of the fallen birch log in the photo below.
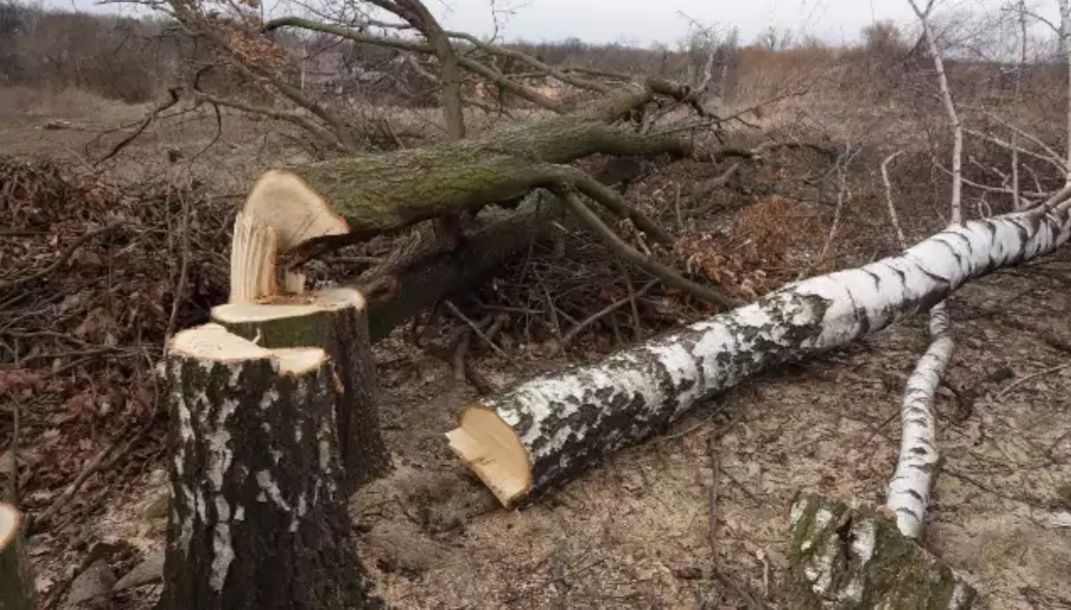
(16, 582)
(256, 518)
(547, 429)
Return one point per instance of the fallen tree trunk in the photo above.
(16, 582)
(544, 430)
(335, 321)
(854, 558)
(415, 286)
(256, 518)
(366, 195)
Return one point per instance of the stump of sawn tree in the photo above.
(16, 581)
(335, 321)
(854, 558)
(256, 518)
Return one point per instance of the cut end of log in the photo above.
(10, 521)
(490, 447)
(297, 213)
(288, 306)
(212, 342)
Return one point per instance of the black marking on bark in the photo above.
(873, 276)
(955, 253)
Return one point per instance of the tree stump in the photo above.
(256, 520)
(335, 321)
(16, 581)
(852, 558)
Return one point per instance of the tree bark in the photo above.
(854, 558)
(335, 321)
(256, 519)
(385, 192)
(16, 580)
(416, 285)
(545, 430)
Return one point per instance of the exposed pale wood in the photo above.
(254, 248)
(286, 203)
(16, 581)
(491, 449)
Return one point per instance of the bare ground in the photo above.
(635, 531)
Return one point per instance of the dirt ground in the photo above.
(696, 517)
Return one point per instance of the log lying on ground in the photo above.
(417, 285)
(546, 429)
(256, 520)
(854, 558)
(909, 489)
(16, 581)
(335, 321)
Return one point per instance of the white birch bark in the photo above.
(568, 420)
(1065, 52)
(909, 489)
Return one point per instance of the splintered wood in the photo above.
(253, 255)
(16, 583)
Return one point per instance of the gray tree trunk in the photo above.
(256, 519)
(335, 321)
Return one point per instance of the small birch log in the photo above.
(854, 558)
(16, 580)
(335, 321)
(256, 520)
(544, 430)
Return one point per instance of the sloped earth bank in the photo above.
(635, 532)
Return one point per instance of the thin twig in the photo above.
(605, 311)
(1018, 382)
(479, 333)
(180, 287)
(63, 257)
(611, 240)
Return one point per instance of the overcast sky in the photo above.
(643, 22)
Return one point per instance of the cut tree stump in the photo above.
(854, 558)
(336, 321)
(256, 519)
(16, 580)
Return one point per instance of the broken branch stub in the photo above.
(336, 321)
(544, 430)
(16, 581)
(256, 519)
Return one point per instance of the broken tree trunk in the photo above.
(16, 581)
(544, 430)
(256, 520)
(416, 285)
(854, 558)
(335, 321)
(367, 195)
